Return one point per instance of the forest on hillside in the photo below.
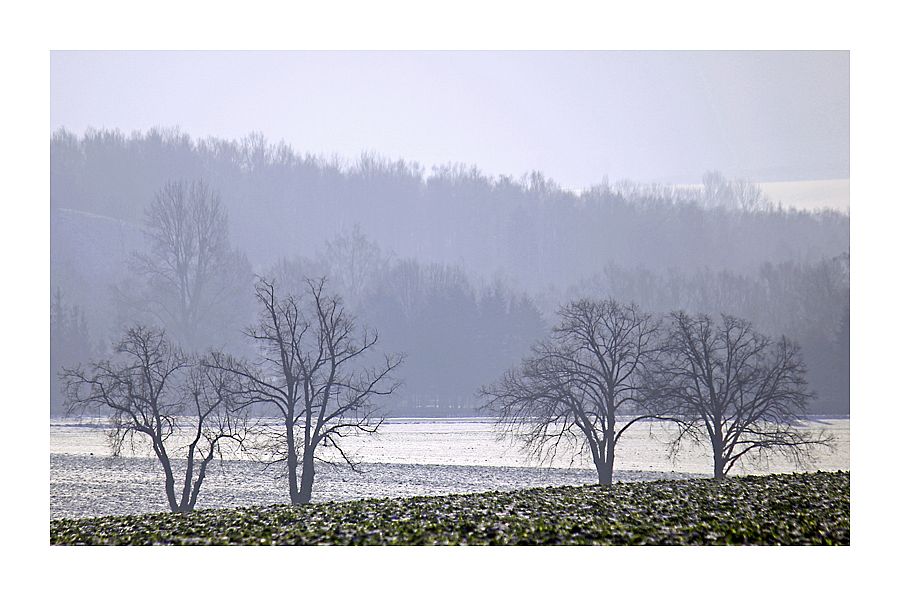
(459, 270)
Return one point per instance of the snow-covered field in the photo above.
(408, 457)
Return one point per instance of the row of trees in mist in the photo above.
(192, 282)
(464, 267)
(190, 279)
(529, 229)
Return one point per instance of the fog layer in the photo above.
(459, 270)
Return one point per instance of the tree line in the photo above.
(528, 228)
(192, 281)
(460, 329)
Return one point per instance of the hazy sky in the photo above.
(576, 116)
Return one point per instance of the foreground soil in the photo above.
(778, 509)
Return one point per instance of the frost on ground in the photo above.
(407, 458)
(85, 486)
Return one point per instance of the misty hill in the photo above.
(482, 250)
(285, 204)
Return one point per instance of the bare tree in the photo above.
(190, 279)
(152, 389)
(319, 375)
(579, 384)
(353, 262)
(741, 390)
(718, 191)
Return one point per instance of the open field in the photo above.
(408, 457)
(775, 509)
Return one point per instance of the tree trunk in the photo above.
(604, 473)
(609, 441)
(198, 483)
(188, 476)
(597, 453)
(292, 465)
(306, 479)
(718, 459)
(170, 478)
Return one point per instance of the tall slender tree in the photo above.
(190, 280)
(319, 374)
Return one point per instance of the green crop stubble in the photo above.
(778, 509)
